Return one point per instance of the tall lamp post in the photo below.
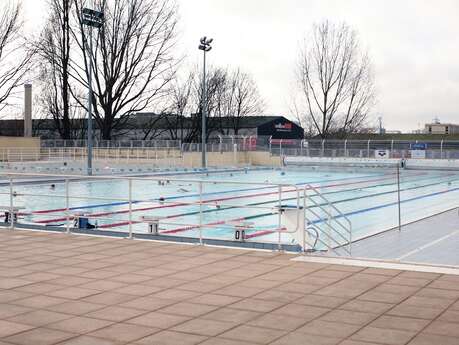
(92, 19)
(205, 47)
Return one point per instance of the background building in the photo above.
(441, 128)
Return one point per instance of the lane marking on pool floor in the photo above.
(428, 245)
(453, 270)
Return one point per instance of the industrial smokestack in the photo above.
(28, 110)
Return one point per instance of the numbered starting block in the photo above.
(153, 224)
(81, 221)
(7, 213)
(240, 229)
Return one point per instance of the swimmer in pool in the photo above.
(53, 186)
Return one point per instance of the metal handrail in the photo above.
(282, 188)
(330, 204)
(330, 218)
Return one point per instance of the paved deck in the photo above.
(81, 290)
(434, 240)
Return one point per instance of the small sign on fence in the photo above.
(382, 153)
(418, 154)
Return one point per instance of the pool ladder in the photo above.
(328, 229)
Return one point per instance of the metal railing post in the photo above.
(305, 196)
(67, 206)
(200, 213)
(392, 149)
(270, 146)
(368, 149)
(345, 148)
(323, 148)
(279, 247)
(398, 199)
(11, 205)
(130, 208)
(441, 149)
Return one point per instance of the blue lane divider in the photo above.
(389, 204)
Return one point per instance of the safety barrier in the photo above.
(151, 215)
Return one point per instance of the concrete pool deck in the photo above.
(85, 290)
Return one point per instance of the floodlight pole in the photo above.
(91, 19)
(90, 135)
(204, 115)
(205, 47)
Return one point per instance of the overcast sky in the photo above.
(414, 45)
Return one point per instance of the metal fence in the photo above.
(444, 149)
(152, 149)
(99, 153)
(159, 144)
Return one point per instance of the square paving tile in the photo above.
(148, 303)
(401, 323)
(416, 312)
(40, 317)
(433, 339)
(86, 340)
(10, 310)
(278, 321)
(171, 338)
(124, 332)
(11, 283)
(222, 341)
(79, 325)
(39, 336)
(300, 310)
(8, 328)
(109, 298)
(298, 338)
(39, 301)
(75, 307)
(450, 316)
(188, 309)
(232, 315)
(204, 327)
(438, 327)
(322, 301)
(348, 316)
(384, 336)
(366, 306)
(73, 293)
(158, 320)
(216, 300)
(253, 334)
(258, 305)
(332, 329)
(116, 313)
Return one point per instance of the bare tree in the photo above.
(180, 108)
(230, 97)
(336, 80)
(54, 47)
(14, 58)
(242, 99)
(132, 58)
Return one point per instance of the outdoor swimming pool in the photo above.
(367, 196)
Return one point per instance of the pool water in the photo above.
(368, 197)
